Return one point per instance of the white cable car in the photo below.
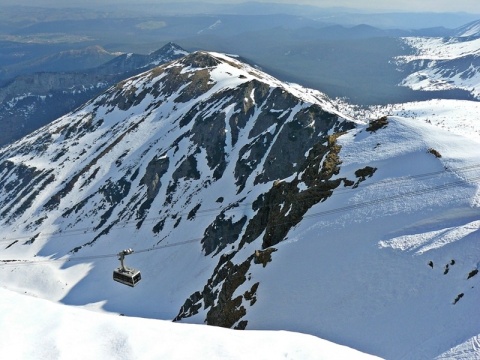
(125, 275)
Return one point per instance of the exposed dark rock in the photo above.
(434, 152)
(224, 310)
(285, 156)
(199, 60)
(193, 212)
(187, 170)
(209, 132)
(306, 130)
(459, 296)
(11, 244)
(32, 239)
(115, 192)
(222, 231)
(177, 222)
(377, 124)
(251, 294)
(191, 305)
(284, 205)
(472, 273)
(242, 325)
(263, 256)
(156, 168)
(198, 83)
(250, 157)
(77, 207)
(362, 174)
(158, 226)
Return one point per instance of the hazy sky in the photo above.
(471, 6)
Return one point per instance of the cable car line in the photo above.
(129, 223)
(386, 182)
(91, 257)
(317, 214)
(392, 197)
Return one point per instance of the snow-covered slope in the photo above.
(37, 329)
(443, 63)
(469, 30)
(456, 116)
(252, 204)
(372, 248)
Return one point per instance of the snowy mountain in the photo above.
(128, 63)
(438, 63)
(250, 204)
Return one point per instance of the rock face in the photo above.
(31, 101)
(277, 211)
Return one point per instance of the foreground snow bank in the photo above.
(33, 328)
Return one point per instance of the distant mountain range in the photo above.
(64, 61)
(30, 101)
(321, 49)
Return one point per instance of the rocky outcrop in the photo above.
(225, 309)
(276, 212)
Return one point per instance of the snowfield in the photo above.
(38, 329)
(456, 116)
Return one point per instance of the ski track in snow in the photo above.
(469, 350)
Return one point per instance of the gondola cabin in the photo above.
(125, 275)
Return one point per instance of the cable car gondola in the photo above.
(125, 275)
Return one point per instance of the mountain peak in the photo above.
(170, 49)
(201, 59)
